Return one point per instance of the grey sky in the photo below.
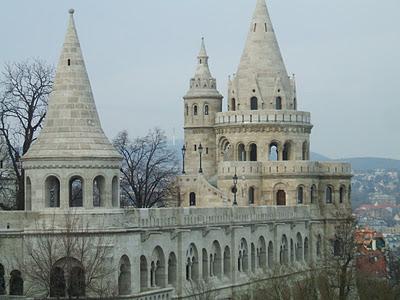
(141, 54)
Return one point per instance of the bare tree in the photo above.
(67, 260)
(201, 290)
(24, 92)
(149, 169)
(339, 273)
(7, 179)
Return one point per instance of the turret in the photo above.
(72, 164)
(261, 82)
(201, 103)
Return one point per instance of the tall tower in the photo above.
(201, 103)
(72, 163)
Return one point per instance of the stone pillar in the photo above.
(88, 193)
(64, 193)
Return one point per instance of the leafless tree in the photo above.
(67, 260)
(338, 278)
(201, 290)
(7, 179)
(149, 169)
(24, 92)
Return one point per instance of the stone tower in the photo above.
(201, 104)
(72, 163)
(262, 138)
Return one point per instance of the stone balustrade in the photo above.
(282, 168)
(263, 116)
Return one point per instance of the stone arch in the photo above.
(216, 264)
(52, 191)
(252, 193)
(144, 273)
(342, 194)
(278, 103)
(241, 151)
(273, 151)
(313, 194)
(68, 278)
(253, 257)
(172, 269)
(28, 194)
(243, 257)
(306, 252)
(192, 263)
(192, 199)
(233, 104)
(124, 278)
(99, 185)
(300, 194)
(253, 152)
(305, 151)
(157, 271)
(205, 272)
(2, 280)
(76, 191)
(114, 191)
(329, 194)
(270, 254)
(227, 262)
(284, 251)
(287, 153)
(261, 253)
(299, 247)
(16, 283)
(225, 149)
(253, 103)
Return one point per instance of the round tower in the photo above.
(72, 164)
(201, 103)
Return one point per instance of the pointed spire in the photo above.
(203, 70)
(72, 126)
(203, 51)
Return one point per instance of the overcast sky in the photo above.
(141, 54)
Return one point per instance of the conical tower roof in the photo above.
(72, 127)
(261, 53)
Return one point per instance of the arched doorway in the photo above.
(124, 278)
(281, 198)
(76, 192)
(57, 282)
(16, 283)
(172, 269)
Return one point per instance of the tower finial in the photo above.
(71, 11)
(203, 51)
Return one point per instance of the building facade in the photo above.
(286, 205)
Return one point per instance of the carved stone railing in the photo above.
(263, 116)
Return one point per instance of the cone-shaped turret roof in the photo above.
(72, 127)
(203, 84)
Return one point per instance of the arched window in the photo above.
(270, 255)
(251, 195)
(98, 191)
(254, 103)
(192, 263)
(57, 282)
(299, 247)
(172, 267)
(300, 195)
(243, 258)
(143, 273)
(205, 264)
(67, 279)
(216, 264)
(261, 254)
(28, 195)
(206, 110)
(76, 192)
(273, 152)
(195, 112)
(284, 251)
(124, 278)
(52, 192)
(281, 198)
(2, 280)
(253, 258)
(253, 152)
(278, 103)
(287, 149)
(305, 155)
(306, 256)
(329, 194)
(158, 268)
(233, 104)
(342, 194)
(68, 62)
(115, 188)
(227, 262)
(337, 247)
(16, 283)
(313, 194)
(192, 199)
(241, 153)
